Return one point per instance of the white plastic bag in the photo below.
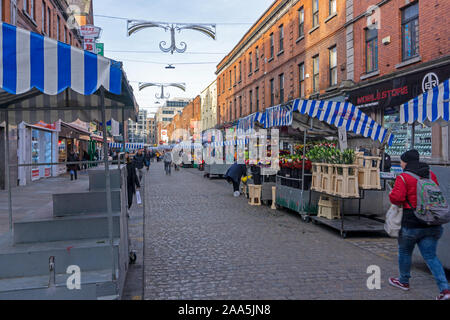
(393, 221)
(138, 197)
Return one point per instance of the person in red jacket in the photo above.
(413, 231)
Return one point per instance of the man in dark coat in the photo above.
(139, 161)
(234, 175)
(147, 158)
(132, 180)
(73, 168)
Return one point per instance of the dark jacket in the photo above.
(147, 158)
(132, 182)
(139, 161)
(405, 193)
(72, 157)
(236, 172)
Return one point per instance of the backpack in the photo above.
(432, 207)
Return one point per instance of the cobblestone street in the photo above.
(201, 243)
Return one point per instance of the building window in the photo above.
(281, 38)
(49, 23)
(223, 82)
(371, 50)
(316, 73)
(230, 78)
(410, 31)
(43, 18)
(25, 5)
(32, 9)
(281, 88)
(240, 106)
(301, 22)
(315, 13)
(250, 64)
(272, 93)
(251, 102)
(333, 66)
(256, 58)
(65, 35)
(235, 109)
(240, 71)
(271, 45)
(257, 98)
(332, 7)
(13, 12)
(301, 77)
(58, 22)
(234, 75)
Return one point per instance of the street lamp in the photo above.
(143, 85)
(137, 25)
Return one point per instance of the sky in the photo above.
(232, 17)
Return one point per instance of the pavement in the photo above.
(202, 243)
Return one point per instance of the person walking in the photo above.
(132, 179)
(168, 162)
(139, 160)
(413, 231)
(147, 158)
(234, 176)
(73, 168)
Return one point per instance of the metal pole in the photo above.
(108, 183)
(413, 133)
(7, 172)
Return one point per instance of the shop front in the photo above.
(383, 98)
(37, 144)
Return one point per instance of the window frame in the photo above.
(370, 40)
(333, 72)
(281, 91)
(272, 45)
(257, 98)
(281, 38)
(414, 30)
(250, 102)
(256, 58)
(301, 79)
(250, 63)
(301, 22)
(272, 92)
(316, 83)
(332, 10)
(315, 14)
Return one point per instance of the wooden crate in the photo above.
(254, 194)
(329, 208)
(327, 178)
(316, 177)
(368, 172)
(346, 180)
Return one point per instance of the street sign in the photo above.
(90, 31)
(100, 49)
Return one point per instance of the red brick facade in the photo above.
(297, 49)
(34, 17)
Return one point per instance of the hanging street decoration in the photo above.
(137, 25)
(143, 85)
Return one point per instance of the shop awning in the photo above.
(431, 106)
(338, 114)
(43, 79)
(128, 146)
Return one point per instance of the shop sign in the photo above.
(89, 44)
(47, 172)
(90, 31)
(394, 92)
(35, 174)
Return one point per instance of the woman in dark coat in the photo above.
(132, 180)
(73, 168)
(234, 175)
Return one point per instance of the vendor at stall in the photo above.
(234, 175)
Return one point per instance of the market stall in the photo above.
(315, 121)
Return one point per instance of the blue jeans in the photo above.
(427, 240)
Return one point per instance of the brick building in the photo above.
(295, 49)
(47, 17)
(401, 49)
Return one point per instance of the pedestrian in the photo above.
(147, 158)
(73, 168)
(132, 179)
(139, 160)
(413, 231)
(234, 176)
(168, 162)
(86, 157)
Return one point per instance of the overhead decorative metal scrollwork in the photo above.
(143, 85)
(137, 25)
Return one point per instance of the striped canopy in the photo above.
(42, 79)
(128, 146)
(431, 106)
(338, 114)
(29, 60)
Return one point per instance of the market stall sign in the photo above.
(394, 92)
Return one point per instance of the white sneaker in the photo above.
(236, 194)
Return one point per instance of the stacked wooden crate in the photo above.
(329, 208)
(368, 171)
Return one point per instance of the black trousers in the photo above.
(74, 174)
(236, 186)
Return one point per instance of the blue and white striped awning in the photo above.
(278, 116)
(343, 114)
(29, 60)
(128, 146)
(431, 106)
(248, 122)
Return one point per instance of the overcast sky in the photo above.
(233, 19)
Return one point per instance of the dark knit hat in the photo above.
(410, 156)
